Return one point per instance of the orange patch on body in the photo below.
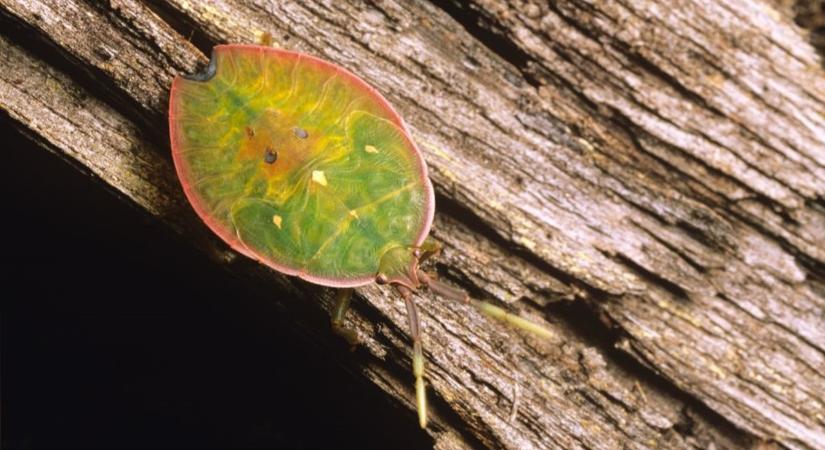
(274, 132)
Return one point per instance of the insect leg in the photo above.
(456, 294)
(265, 39)
(418, 355)
(342, 300)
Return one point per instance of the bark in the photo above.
(647, 181)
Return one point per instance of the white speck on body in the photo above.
(370, 149)
(277, 220)
(319, 177)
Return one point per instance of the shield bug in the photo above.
(301, 165)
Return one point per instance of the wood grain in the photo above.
(649, 182)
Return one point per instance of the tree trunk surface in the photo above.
(644, 178)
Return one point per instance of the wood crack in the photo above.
(550, 186)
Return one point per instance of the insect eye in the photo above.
(270, 156)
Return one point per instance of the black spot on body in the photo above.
(270, 156)
(207, 73)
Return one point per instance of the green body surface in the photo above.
(301, 165)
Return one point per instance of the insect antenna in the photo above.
(459, 295)
(418, 354)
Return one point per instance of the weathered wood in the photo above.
(724, 97)
(661, 168)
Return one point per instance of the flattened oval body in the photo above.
(299, 164)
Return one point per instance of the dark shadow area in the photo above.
(810, 14)
(476, 23)
(118, 335)
(184, 25)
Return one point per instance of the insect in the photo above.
(299, 164)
